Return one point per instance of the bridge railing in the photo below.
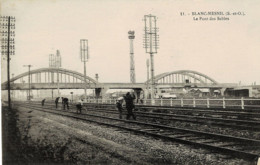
(239, 103)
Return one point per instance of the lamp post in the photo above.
(84, 55)
(131, 36)
(96, 76)
(71, 96)
(29, 82)
(7, 45)
(151, 45)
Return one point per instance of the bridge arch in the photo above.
(48, 75)
(181, 76)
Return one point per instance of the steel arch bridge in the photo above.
(48, 78)
(182, 76)
(45, 78)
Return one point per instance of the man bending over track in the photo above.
(65, 101)
(79, 105)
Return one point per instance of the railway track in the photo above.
(229, 123)
(164, 117)
(253, 115)
(238, 147)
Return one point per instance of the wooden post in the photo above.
(224, 103)
(242, 103)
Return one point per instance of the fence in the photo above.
(205, 103)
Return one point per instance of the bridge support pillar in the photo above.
(211, 91)
(222, 91)
(137, 93)
(100, 92)
(146, 94)
(97, 92)
(250, 92)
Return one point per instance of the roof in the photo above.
(203, 90)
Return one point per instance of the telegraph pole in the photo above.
(96, 76)
(13, 94)
(29, 82)
(55, 62)
(58, 65)
(131, 36)
(7, 46)
(52, 65)
(84, 58)
(151, 45)
(147, 65)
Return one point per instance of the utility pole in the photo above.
(131, 36)
(96, 76)
(147, 65)
(52, 65)
(13, 95)
(55, 62)
(151, 45)
(7, 46)
(29, 82)
(84, 55)
(58, 65)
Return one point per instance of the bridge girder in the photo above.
(189, 73)
(94, 84)
(54, 70)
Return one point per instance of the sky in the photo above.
(227, 50)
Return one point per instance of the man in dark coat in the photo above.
(57, 101)
(129, 102)
(65, 101)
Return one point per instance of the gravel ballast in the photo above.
(46, 138)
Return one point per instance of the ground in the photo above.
(33, 137)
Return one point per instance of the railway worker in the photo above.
(129, 101)
(79, 105)
(57, 101)
(65, 101)
(43, 101)
(119, 106)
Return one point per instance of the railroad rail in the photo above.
(234, 103)
(238, 147)
(250, 114)
(230, 123)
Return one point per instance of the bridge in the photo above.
(52, 78)
(49, 78)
